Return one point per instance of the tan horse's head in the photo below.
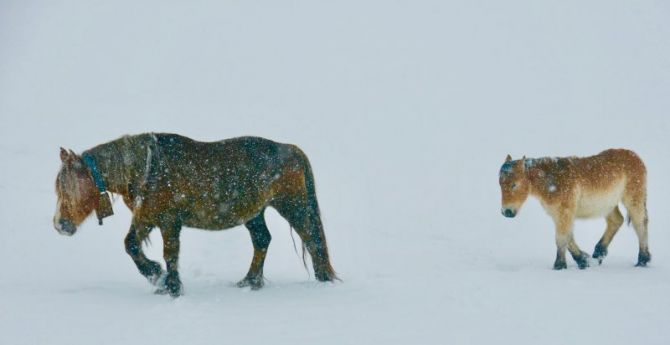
(77, 194)
(514, 186)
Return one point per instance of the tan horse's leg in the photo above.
(580, 257)
(635, 201)
(260, 238)
(614, 222)
(564, 222)
(640, 222)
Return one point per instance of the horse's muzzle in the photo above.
(509, 213)
(65, 227)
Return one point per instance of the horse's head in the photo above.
(76, 191)
(514, 186)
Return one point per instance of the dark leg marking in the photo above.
(614, 221)
(560, 263)
(582, 260)
(600, 252)
(643, 258)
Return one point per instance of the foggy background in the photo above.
(406, 110)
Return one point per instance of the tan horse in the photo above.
(572, 188)
(169, 181)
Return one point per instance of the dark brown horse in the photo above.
(169, 181)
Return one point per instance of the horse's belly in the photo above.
(595, 204)
(211, 222)
(220, 216)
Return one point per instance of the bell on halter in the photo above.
(104, 208)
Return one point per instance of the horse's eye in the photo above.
(514, 186)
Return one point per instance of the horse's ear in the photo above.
(509, 158)
(64, 155)
(72, 154)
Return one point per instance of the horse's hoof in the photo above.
(170, 284)
(253, 283)
(325, 275)
(175, 290)
(152, 271)
(174, 293)
(582, 261)
(643, 259)
(599, 253)
(560, 266)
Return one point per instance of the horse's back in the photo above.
(221, 184)
(627, 159)
(612, 165)
(178, 144)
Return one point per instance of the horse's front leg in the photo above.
(580, 256)
(170, 235)
(150, 269)
(260, 237)
(564, 222)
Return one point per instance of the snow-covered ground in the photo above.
(406, 109)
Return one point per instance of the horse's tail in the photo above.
(317, 234)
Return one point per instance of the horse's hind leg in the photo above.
(640, 222)
(614, 222)
(260, 237)
(307, 224)
(150, 269)
(636, 204)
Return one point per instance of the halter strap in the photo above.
(97, 177)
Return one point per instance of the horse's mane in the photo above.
(123, 160)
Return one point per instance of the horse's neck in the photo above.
(116, 161)
(535, 172)
(530, 163)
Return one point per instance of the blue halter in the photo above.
(97, 177)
